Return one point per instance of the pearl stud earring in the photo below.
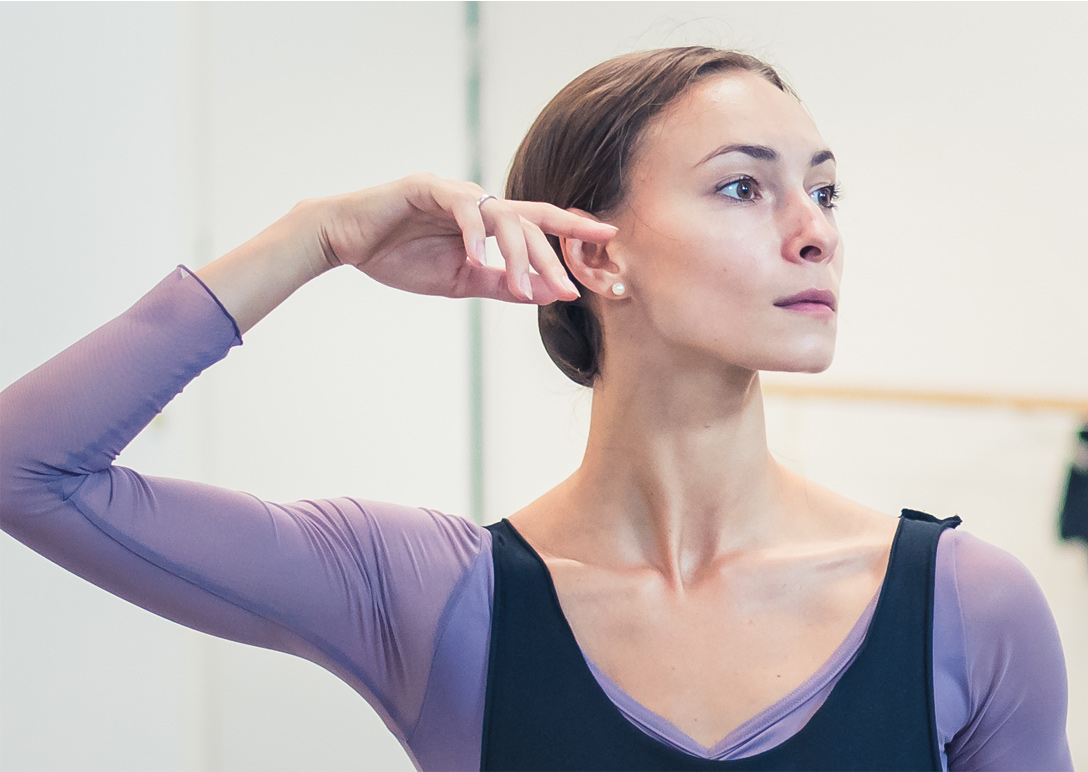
(619, 288)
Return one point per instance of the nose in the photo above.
(809, 232)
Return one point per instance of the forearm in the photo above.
(350, 585)
(71, 416)
(257, 276)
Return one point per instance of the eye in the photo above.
(827, 195)
(744, 189)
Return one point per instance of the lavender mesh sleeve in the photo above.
(999, 671)
(397, 600)
(359, 587)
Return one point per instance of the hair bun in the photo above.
(579, 150)
(572, 338)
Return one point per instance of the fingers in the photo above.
(558, 222)
(506, 225)
(547, 263)
(518, 228)
(492, 282)
(523, 247)
(536, 219)
(489, 282)
(469, 217)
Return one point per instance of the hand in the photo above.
(426, 235)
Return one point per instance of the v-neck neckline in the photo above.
(661, 728)
(651, 723)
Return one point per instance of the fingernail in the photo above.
(526, 287)
(571, 286)
(481, 251)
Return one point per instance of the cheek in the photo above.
(706, 290)
(723, 253)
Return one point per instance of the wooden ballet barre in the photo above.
(918, 396)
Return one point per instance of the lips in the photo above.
(814, 296)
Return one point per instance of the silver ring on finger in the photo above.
(481, 199)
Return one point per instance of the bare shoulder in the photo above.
(834, 517)
(546, 523)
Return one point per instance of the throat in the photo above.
(674, 492)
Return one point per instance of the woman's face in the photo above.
(728, 216)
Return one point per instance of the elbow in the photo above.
(24, 492)
(29, 485)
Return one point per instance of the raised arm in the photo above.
(328, 580)
(421, 234)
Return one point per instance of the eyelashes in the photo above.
(747, 189)
(744, 189)
(827, 195)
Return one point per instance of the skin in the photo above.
(699, 574)
(704, 578)
(420, 234)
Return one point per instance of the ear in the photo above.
(595, 266)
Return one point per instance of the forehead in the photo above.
(736, 107)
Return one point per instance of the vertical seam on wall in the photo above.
(199, 71)
(475, 310)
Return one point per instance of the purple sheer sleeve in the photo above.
(359, 587)
(1000, 680)
(396, 600)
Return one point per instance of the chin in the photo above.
(815, 360)
(813, 368)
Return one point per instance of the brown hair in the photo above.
(579, 149)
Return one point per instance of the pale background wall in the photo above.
(134, 137)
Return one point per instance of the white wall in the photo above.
(349, 388)
(137, 136)
(88, 220)
(961, 149)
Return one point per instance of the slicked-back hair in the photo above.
(578, 153)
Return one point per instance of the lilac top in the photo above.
(396, 600)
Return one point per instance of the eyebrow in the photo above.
(764, 153)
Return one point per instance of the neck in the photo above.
(677, 472)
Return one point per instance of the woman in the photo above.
(681, 601)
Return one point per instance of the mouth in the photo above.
(818, 300)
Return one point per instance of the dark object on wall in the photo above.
(1074, 518)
